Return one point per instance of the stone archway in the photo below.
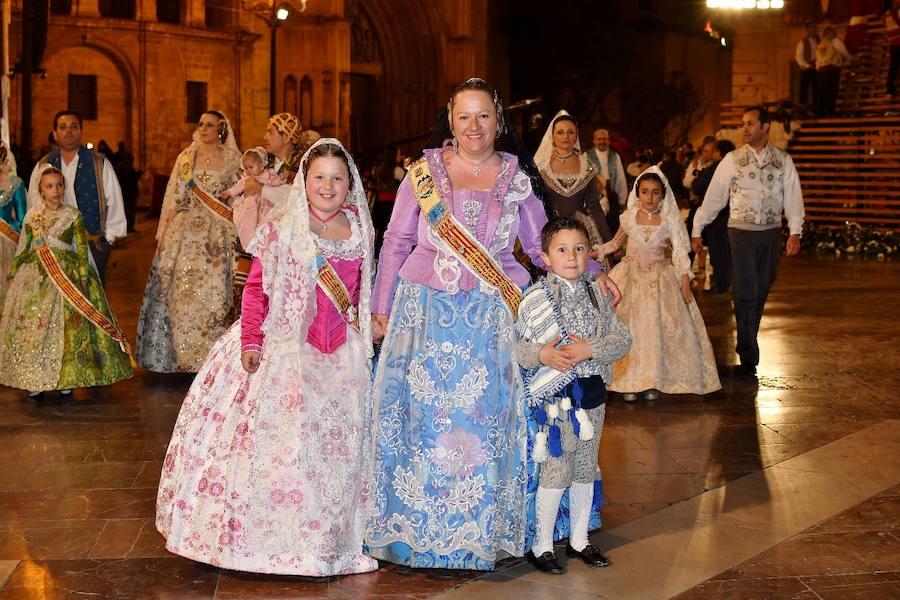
(114, 119)
(397, 69)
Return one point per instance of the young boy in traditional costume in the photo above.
(568, 337)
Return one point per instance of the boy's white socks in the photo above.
(581, 497)
(547, 508)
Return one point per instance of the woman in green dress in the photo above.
(47, 326)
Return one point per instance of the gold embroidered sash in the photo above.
(79, 301)
(9, 232)
(463, 245)
(330, 282)
(214, 205)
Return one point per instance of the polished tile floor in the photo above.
(78, 481)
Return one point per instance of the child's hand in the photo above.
(595, 252)
(561, 359)
(686, 292)
(250, 360)
(379, 327)
(225, 195)
(580, 348)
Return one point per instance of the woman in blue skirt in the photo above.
(452, 467)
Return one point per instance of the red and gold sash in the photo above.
(463, 245)
(330, 282)
(80, 302)
(215, 206)
(9, 232)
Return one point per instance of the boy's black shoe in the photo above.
(545, 563)
(591, 555)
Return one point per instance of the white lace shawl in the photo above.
(287, 251)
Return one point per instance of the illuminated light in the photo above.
(722, 41)
(282, 14)
(90, 146)
(742, 4)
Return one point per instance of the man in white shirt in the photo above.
(760, 182)
(805, 55)
(611, 176)
(91, 187)
(701, 160)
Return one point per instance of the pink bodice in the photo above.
(328, 330)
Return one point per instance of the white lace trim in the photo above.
(349, 249)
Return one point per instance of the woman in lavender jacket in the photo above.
(451, 472)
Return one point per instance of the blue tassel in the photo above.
(554, 441)
(540, 415)
(577, 393)
(576, 426)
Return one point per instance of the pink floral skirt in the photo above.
(266, 472)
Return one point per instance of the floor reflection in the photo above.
(78, 481)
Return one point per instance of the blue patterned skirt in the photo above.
(454, 484)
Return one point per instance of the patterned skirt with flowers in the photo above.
(266, 472)
(454, 485)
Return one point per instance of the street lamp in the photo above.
(273, 13)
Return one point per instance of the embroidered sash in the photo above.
(463, 245)
(214, 205)
(9, 232)
(80, 302)
(330, 282)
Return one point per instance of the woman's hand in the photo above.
(686, 292)
(561, 359)
(250, 360)
(379, 327)
(607, 285)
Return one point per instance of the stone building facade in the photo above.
(369, 72)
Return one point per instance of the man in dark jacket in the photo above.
(716, 233)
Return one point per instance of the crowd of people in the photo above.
(473, 434)
(821, 56)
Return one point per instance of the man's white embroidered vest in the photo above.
(757, 190)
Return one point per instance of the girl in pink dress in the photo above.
(250, 211)
(267, 464)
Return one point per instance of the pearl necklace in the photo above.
(650, 213)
